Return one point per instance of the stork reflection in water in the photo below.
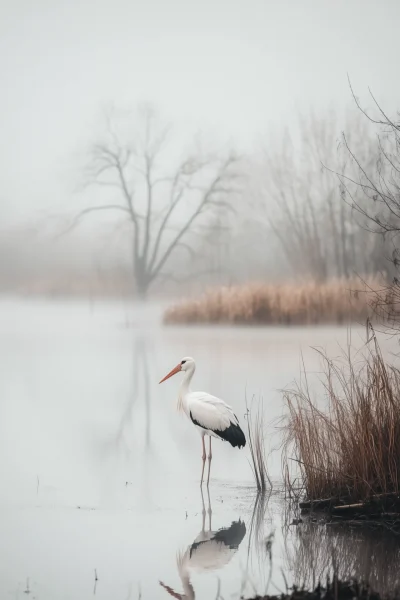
(210, 551)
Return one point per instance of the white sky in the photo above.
(233, 67)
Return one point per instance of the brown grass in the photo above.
(335, 301)
(351, 447)
(256, 440)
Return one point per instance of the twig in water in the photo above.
(27, 591)
(95, 582)
(218, 596)
(268, 547)
(285, 580)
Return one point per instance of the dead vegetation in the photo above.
(335, 301)
(347, 448)
(333, 590)
(255, 433)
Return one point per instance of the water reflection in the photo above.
(209, 551)
(364, 553)
(261, 538)
(87, 435)
(140, 389)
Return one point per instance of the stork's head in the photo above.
(187, 363)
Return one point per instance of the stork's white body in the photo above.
(210, 415)
(213, 414)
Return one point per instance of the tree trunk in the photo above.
(141, 292)
(142, 282)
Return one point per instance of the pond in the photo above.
(100, 475)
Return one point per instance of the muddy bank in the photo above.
(379, 509)
(335, 590)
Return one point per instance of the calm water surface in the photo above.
(100, 474)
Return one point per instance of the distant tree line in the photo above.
(305, 207)
(372, 192)
(320, 234)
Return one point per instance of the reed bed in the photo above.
(306, 303)
(348, 451)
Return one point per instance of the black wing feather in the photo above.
(232, 434)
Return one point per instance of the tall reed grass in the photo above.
(255, 435)
(349, 448)
(306, 303)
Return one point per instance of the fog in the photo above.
(234, 70)
(265, 83)
(151, 152)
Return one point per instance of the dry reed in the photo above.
(334, 301)
(255, 432)
(349, 449)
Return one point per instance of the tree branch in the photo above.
(167, 277)
(205, 199)
(175, 199)
(89, 210)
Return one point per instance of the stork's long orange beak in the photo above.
(174, 371)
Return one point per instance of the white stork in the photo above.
(210, 415)
(211, 550)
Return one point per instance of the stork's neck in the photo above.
(185, 387)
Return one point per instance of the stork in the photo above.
(210, 415)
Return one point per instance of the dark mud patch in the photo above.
(335, 590)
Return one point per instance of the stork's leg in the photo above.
(204, 511)
(209, 463)
(209, 509)
(203, 459)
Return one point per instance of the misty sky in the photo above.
(236, 67)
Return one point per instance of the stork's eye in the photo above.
(183, 362)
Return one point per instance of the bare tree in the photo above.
(294, 217)
(373, 193)
(381, 186)
(167, 206)
(317, 232)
